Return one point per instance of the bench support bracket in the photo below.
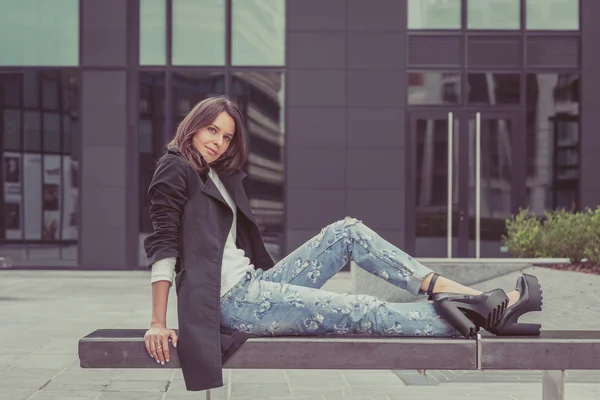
(553, 385)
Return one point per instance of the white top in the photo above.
(235, 263)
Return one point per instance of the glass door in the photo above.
(494, 173)
(463, 181)
(433, 179)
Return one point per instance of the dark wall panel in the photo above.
(372, 50)
(316, 15)
(314, 209)
(316, 127)
(103, 194)
(376, 88)
(317, 50)
(104, 33)
(378, 208)
(369, 168)
(316, 168)
(376, 127)
(590, 104)
(312, 88)
(377, 15)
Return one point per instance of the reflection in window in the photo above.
(198, 32)
(552, 14)
(430, 88)
(190, 88)
(258, 32)
(493, 14)
(552, 141)
(151, 140)
(40, 167)
(434, 14)
(260, 96)
(39, 32)
(494, 88)
(153, 32)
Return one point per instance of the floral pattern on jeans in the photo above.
(288, 299)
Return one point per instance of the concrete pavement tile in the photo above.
(260, 390)
(257, 375)
(131, 396)
(196, 396)
(80, 395)
(46, 361)
(142, 374)
(369, 377)
(137, 386)
(75, 386)
(16, 395)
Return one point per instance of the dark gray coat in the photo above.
(191, 222)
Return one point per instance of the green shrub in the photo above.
(558, 234)
(522, 234)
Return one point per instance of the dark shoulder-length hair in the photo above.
(202, 115)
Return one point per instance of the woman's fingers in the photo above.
(158, 342)
(174, 338)
(153, 348)
(165, 349)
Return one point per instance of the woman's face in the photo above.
(213, 141)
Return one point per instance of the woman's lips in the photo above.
(212, 151)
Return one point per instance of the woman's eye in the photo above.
(211, 129)
(228, 138)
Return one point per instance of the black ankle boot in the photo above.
(468, 313)
(531, 300)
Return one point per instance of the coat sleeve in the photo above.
(168, 195)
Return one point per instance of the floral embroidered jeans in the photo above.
(286, 299)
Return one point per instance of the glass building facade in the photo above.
(431, 120)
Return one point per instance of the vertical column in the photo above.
(316, 116)
(590, 103)
(375, 162)
(106, 135)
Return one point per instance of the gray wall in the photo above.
(590, 104)
(104, 241)
(345, 122)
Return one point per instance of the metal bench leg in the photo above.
(553, 385)
(208, 395)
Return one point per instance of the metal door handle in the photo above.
(450, 177)
(477, 185)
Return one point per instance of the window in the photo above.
(430, 88)
(552, 14)
(260, 96)
(198, 32)
(39, 33)
(494, 88)
(39, 162)
(493, 14)
(552, 141)
(258, 32)
(434, 14)
(153, 32)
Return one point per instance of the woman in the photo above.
(206, 240)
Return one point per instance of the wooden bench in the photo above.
(552, 352)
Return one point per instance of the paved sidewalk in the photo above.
(45, 313)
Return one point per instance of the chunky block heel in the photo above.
(455, 317)
(531, 300)
(468, 313)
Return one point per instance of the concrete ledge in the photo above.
(464, 271)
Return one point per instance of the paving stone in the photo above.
(137, 386)
(75, 395)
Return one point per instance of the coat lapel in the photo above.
(233, 184)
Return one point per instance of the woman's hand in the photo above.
(157, 342)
